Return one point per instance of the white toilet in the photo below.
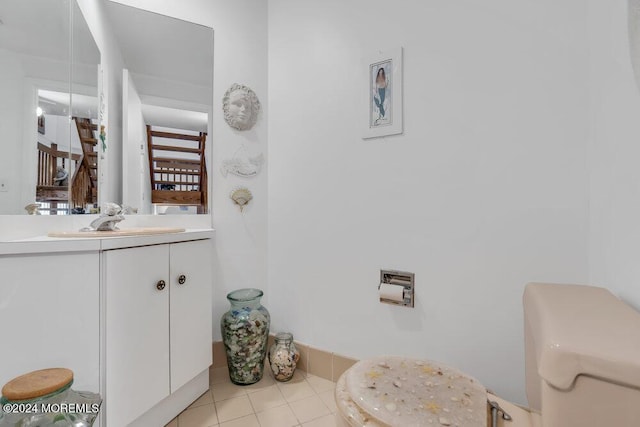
(582, 357)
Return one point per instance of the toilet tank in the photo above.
(582, 356)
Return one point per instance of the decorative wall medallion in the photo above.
(246, 167)
(241, 107)
(241, 196)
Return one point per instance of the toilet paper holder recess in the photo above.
(399, 278)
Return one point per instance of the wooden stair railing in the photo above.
(205, 190)
(84, 184)
(47, 189)
(81, 187)
(178, 173)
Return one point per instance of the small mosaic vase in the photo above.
(283, 357)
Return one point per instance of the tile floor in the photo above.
(306, 400)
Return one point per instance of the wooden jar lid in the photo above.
(37, 383)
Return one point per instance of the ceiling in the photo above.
(41, 28)
(170, 62)
(36, 27)
(174, 118)
(57, 103)
(163, 47)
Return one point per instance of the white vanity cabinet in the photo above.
(131, 316)
(158, 327)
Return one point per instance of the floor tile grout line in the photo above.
(320, 416)
(294, 414)
(255, 414)
(304, 378)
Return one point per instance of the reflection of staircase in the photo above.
(178, 172)
(51, 192)
(84, 184)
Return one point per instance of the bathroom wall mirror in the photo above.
(167, 103)
(48, 74)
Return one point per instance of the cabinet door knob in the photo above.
(160, 285)
(181, 279)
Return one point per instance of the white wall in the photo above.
(110, 83)
(57, 132)
(137, 191)
(11, 108)
(614, 151)
(485, 191)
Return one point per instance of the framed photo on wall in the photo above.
(383, 94)
(41, 124)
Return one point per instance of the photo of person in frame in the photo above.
(381, 94)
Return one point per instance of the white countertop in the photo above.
(45, 244)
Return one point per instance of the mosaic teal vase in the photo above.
(245, 330)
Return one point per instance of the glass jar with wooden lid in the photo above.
(44, 398)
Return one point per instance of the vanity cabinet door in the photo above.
(49, 312)
(137, 338)
(190, 312)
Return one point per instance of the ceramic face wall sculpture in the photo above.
(241, 107)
